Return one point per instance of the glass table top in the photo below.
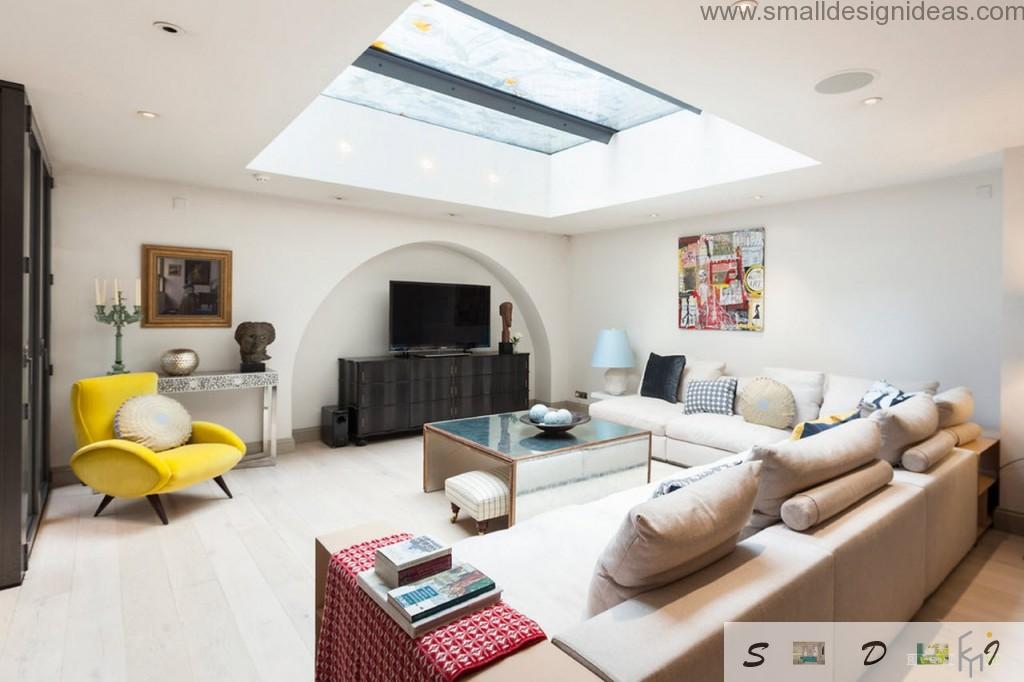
(504, 433)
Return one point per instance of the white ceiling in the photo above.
(954, 92)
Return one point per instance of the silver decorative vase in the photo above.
(179, 362)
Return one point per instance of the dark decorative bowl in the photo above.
(577, 419)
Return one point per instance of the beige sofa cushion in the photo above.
(956, 406)
(808, 389)
(649, 414)
(671, 536)
(730, 433)
(811, 507)
(929, 452)
(794, 465)
(909, 422)
(843, 394)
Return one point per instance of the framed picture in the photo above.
(721, 281)
(185, 287)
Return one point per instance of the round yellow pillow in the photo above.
(767, 402)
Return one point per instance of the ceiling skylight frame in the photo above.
(447, 63)
(423, 76)
(561, 51)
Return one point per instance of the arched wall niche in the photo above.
(351, 320)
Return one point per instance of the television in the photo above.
(429, 316)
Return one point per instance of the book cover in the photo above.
(413, 551)
(372, 585)
(438, 592)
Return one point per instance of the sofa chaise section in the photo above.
(680, 628)
(694, 439)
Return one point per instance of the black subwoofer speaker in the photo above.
(333, 426)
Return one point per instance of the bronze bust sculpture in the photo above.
(253, 339)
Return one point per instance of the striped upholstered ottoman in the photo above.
(483, 495)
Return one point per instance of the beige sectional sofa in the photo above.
(692, 439)
(876, 561)
(874, 554)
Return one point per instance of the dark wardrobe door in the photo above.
(25, 183)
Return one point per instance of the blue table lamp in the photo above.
(613, 352)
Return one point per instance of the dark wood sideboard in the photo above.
(390, 394)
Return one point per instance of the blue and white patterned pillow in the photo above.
(674, 484)
(882, 394)
(715, 396)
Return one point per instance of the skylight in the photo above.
(446, 63)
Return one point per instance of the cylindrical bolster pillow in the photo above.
(965, 433)
(821, 503)
(930, 452)
(956, 406)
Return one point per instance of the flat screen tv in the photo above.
(430, 316)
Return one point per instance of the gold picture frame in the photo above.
(185, 287)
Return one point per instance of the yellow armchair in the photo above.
(122, 468)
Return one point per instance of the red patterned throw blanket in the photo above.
(360, 642)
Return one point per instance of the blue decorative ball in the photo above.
(564, 417)
(538, 411)
(551, 418)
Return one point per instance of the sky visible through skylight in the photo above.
(436, 35)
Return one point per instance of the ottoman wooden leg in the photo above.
(455, 512)
(481, 527)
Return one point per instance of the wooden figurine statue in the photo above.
(505, 310)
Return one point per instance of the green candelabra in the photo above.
(119, 317)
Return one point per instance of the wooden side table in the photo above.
(988, 476)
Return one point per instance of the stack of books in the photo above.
(419, 588)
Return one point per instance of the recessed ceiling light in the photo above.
(652, 215)
(168, 28)
(845, 81)
(493, 178)
(751, 4)
(344, 146)
(261, 178)
(758, 197)
(147, 114)
(426, 164)
(871, 101)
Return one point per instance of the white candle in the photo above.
(138, 291)
(117, 292)
(99, 299)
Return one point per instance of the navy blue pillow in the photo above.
(662, 377)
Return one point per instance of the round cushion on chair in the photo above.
(767, 402)
(156, 421)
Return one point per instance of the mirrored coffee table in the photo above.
(544, 471)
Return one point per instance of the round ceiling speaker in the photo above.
(845, 81)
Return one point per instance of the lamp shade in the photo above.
(612, 349)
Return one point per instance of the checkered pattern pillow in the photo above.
(715, 396)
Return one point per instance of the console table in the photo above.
(202, 382)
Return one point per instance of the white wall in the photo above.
(353, 319)
(1011, 479)
(895, 283)
(288, 257)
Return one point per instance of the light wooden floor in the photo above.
(225, 592)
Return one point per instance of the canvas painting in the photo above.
(721, 281)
